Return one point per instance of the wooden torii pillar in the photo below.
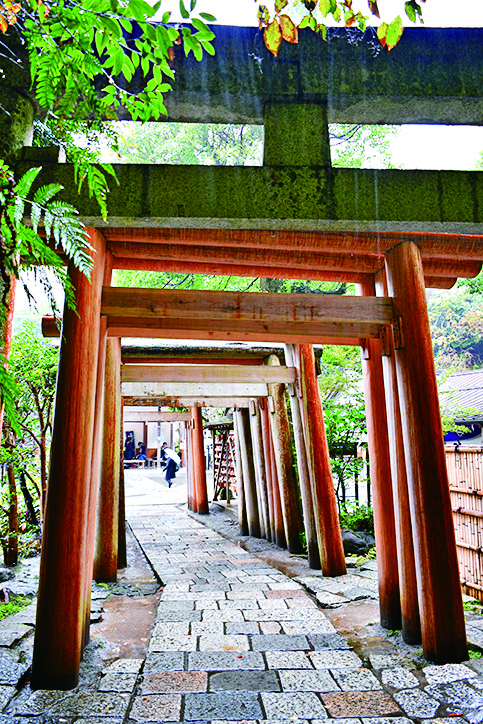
(381, 482)
(200, 492)
(63, 580)
(107, 534)
(440, 599)
(408, 588)
(326, 518)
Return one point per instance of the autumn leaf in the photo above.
(394, 32)
(382, 32)
(280, 4)
(289, 29)
(272, 35)
(373, 7)
(3, 24)
(263, 16)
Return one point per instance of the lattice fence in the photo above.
(465, 473)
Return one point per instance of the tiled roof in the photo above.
(463, 390)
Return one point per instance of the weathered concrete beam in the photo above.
(418, 82)
(307, 198)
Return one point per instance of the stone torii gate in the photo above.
(391, 232)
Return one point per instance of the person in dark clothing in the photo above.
(170, 471)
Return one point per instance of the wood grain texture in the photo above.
(105, 557)
(408, 588)
(60, 611)
(323, 495)
(441, 608)
(200, 502)
(227, 374)
(308, 509)
(249, 479)
(284, 460)
(381, 481)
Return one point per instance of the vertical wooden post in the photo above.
(121, 527)
(189, 465)
(282, 443)
(408, 587)
(260, 471)
(303, 468)
(199, 466)
(381, 481)
(326, 518)
(249, 482)
(105, 558)
(59, 632)
(96, 450)
(266, 440)
(240, 482)
(440, 599)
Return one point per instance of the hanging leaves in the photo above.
(272, 36)
(373, 8)
(278, 27)
(289, 29)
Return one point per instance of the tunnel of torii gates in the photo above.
(391, 232)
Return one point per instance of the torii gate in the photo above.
(392, 232)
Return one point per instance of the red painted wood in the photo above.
(408, 587)
(278, 522)
(200, 502)
(441, 607)
(310, 525)
(327, 520)
(248, 467)
(240, 478)
(105, 555)
(284, 460)
(266, 434)
(189, 467)
(381, 479)
(433, 244)
(59, 632)
(121, 540)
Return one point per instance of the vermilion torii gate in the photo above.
(391, 232)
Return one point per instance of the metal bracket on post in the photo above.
(252, 407)
(270, 405)
(385, 338)
(364, 349)
(398, 333)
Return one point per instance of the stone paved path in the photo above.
(236, 640)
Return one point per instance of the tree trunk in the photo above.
(11, 552)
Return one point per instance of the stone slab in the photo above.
(335, 660)
(356, 680)
(416, 703)
(279, 642)
(288, 660)
(456, 694)
(321, 642)
(360, 704)
(124, 666)
(447, 673)
(117, 682)
(237, 706)
(173, 643)
(157, 707)
(399, 678)
(174, 682)
(244, 681)
(225, 660)
(290, 705)
(241, 627)
(165, 661)
(303, 680)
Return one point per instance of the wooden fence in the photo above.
(465, 473)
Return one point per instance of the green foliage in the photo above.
(190, 143)
(357, 517)
(18, 242)
(358, 146)
(77, 83)
(16, 604)
(474, 654)
(456, 318)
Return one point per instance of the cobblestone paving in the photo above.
(236, 640)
